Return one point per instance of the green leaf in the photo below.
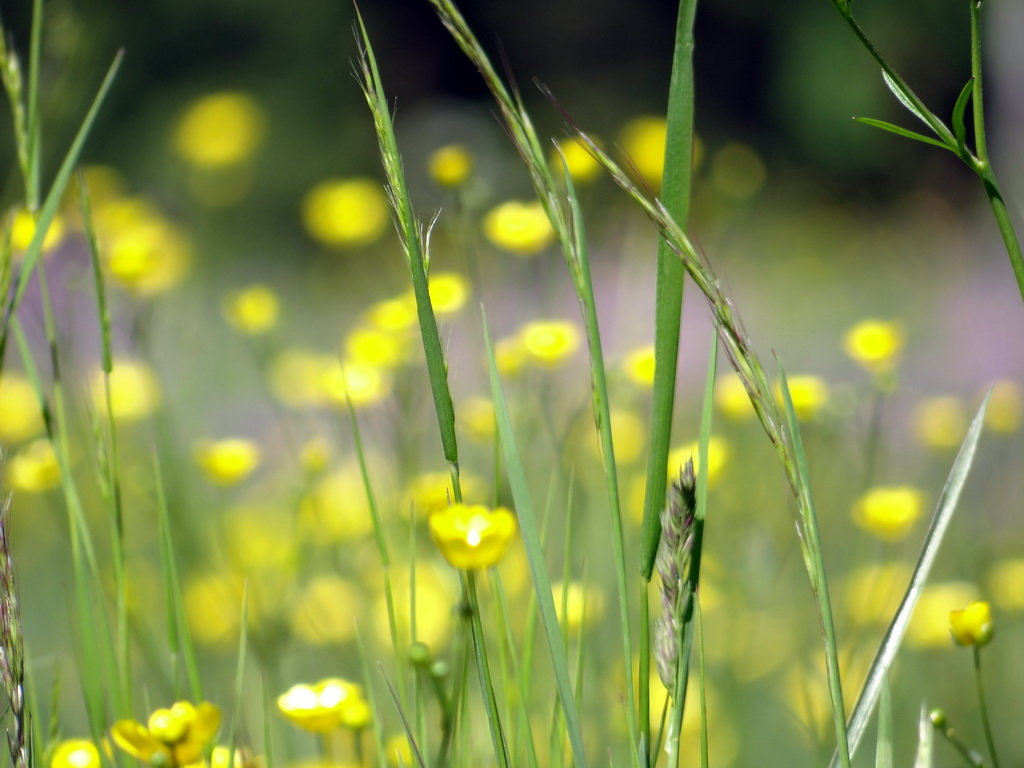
(886, 654)
(899, 91)
(959, 129)
(883, 747)
(899, 131)
(925, 741)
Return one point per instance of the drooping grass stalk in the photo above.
(563, 211)
(12, 650)
(954, 139)
(530, 532)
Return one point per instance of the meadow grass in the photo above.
(488, 643)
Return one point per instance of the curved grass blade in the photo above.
(900, 131)
(959, 109)
(883, 747)
(944, 510)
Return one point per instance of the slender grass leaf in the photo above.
(530, 534)
(371, 698)
(899, 131)
(413, 744)
(886, 654)
(243, 643)
(883, 745)
(34, 127)
(899, 90)
(924, 757)
(959, 109)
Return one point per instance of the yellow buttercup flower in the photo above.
(628, 435)
(34, 468)
(448, 292)
(393, 315)
(134, 391)
(336, 508)
(476, 414)
(75, 753)
(398, 750)
(253, 310)
(213, 605)
(643, 142)
(327, 610)
(520, 227)
(581, 164)
(221, 757)
(296, 374)
(472, 536)
(889, 512)
(639, 366)
(872, 593)
(147, 257)
(577, 604)
(808, 393)
(355, 382)
(450, 165)
(176, 736)
(315, 454)
(346, 212)
(20, 408)
(732, 399)
(374, 347)
(1005, 407)
(972, 625)
(23, 229)
(874, 344)
(432, 491)
(229, 461)
(939, 422)
(428, 604)
(718, 453)
(326, 705)
(510, 355)
(1006, 584)
(549, 342)
(219, 130)
(929, 626)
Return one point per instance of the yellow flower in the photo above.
(393, 315)
(228, 461)
(929, 626)
(260, 538)
(549, 342)
(20, 408)
(872, 593)
(252, 310)
(326, 705)
(643, 141)
(874, 344)
(520, 227)
(939, 422)
(448, 292)
(147, 257)
(972, 625)
(737, 171)
(75, 753)
(34, 468)
(581, 164)
(718, 453)
(1006, 584)
(450, 165)
(1005, 407)
(472, 536)
(175, 736)
(398, 750)
(327, 610)
(355, 382)
(295, 377)
(374, 347)
(639, 366)
(432, 491)
(221, 757)
(577, 604)
(345, 212)
(628, 434)
(476, 415)
(808, 393)
(315, 454)
(213, 605)
(23, 229)
(134, 391)
(510, 355)
(336, 508)
(430, 603)
(219, 130)
(732, 399)
(889, 512)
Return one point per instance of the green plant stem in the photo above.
(484, 670)
(644, 678)
(983, 706)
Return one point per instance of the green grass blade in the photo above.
(814, 560)
(243, 644)
(924, 757)
(676, 183)
(946, 506)
(883, 746)
(34, 126)
(530, 532)
(904, 132)
(959, 109)
(268, 737)
(371, 698)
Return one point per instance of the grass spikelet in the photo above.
(12, 649)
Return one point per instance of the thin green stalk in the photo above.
(484, 671)
(35, 132)
(983, 706)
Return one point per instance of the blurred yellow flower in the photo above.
(393, 315)
(737, 171)
(20, 408)
(639, 366)
(718, 453)
(213, 608)
(221, 757)
(326, 705)
(889, 512)
(450, 166)
(260, 537)
(228, 461)
(448, 292)
(34, 468)
(929, 626)
(134, 391)
(1006, 584)
(146, 257)
(874, 344)
(520, 227)
(431, 492)
(476, 414)
(760, 641)
(628, 436)
(355, 382)
(872, 593)
(346, 212)
(549, 342)
(23, 229)
(808, 393)
(472, 536)
(436, 594)
(510, 355)
(374, 347)
(732, 399)
(581, 164)
(219, 130)
(398, 751)
(643, 142)
(75, 753)
(577, 604)
(972, 625)
(315, 454)
(295, 377)
(336, 508)
(327, 610)
(1005, 407)
(939, 422)
(175, 736)
(253, 310)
